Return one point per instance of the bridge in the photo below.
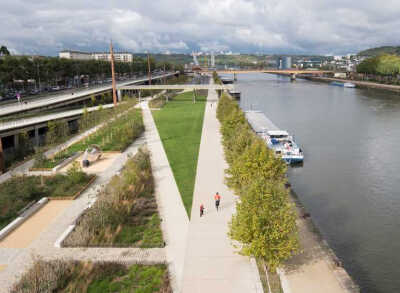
(65, 99)
(287, 72)
(177, 87)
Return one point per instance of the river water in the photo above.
(350, 180)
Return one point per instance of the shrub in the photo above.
(124, 210)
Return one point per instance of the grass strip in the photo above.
(180, 124)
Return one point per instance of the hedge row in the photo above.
(265, 221)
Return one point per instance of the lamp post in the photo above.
(148, 68)
(114, 90)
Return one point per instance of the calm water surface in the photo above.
(350, 178)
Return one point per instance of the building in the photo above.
(76, 55)
(286, 62)
(118, 56)
(103, 56)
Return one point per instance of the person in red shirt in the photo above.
(201, 210)
(217, 198)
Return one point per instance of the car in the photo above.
(55, 88)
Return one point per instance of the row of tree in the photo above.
(265, 221)
(380, 65)
(53, 71)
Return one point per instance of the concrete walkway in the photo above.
(172, 212)
(211, 265)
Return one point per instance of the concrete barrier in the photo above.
(21, 219)
(64, 235)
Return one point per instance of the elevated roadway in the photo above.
(177, 87)
(12, 127)
(65, 99)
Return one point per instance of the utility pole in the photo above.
(165, 78)
(148, 68)
(114, 89)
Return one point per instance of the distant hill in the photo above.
(381, 50)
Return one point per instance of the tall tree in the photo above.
(4, 51)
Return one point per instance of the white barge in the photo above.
(278, 140)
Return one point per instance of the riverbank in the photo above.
(361, 84)
(316, 261)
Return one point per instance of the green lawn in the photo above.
(180, 124)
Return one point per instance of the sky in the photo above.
(326, 27)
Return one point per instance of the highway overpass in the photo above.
(65, 99)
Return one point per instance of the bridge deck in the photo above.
(177, 87)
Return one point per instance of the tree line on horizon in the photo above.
(53, 71)
(386, 64)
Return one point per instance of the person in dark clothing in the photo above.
(201, 210)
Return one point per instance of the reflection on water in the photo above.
(350, 178)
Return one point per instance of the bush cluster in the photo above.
(124, 212)
(380, 65)
(75, 276)
(18, 192)
(265, 221)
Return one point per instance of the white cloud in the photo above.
(281, 26)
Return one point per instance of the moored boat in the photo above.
(284, 146)
(278, 140)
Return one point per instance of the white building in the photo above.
(118, 56)
(76, 55)
(105, 56)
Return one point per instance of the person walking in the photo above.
(217, 198)
(201, 210)
(19, 98)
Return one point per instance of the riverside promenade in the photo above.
(211, 264)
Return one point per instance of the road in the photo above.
(65, 98)
(22, 123)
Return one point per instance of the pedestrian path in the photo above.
(211, 264)
(18, 260)
(172, 212)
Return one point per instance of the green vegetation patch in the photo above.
(18, 192)
(265, 220)
(180, 124)
(66, 277)
(125, 213)
(116, 135)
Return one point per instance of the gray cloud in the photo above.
(280, 26)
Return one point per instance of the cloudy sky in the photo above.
(265, 26)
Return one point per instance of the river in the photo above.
(350, 178)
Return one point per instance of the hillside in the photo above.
(381, 50)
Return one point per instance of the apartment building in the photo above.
(103, 56)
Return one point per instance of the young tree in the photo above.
(265, 223)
